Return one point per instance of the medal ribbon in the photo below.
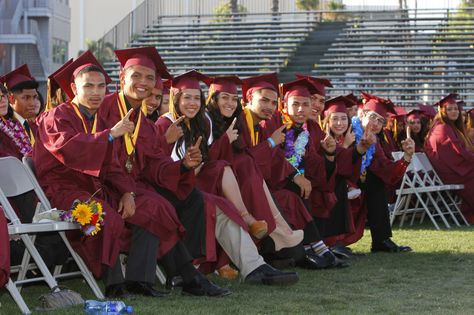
(130, 141)
(94, 125)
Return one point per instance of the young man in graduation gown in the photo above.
(140, 68)
(377, 171)
(22, 96)
(261, 96)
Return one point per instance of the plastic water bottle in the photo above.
(93, 307)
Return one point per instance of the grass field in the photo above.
(437, 278)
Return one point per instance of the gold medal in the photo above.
(363, 175)
(129, 164)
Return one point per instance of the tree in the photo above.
(224, 11)
(307, 5)
(102, 51)
(335, 5)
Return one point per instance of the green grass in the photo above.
(437, 278)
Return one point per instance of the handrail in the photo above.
(15, 21)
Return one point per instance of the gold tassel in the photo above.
(49, 103)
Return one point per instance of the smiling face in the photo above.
(137, 82)
(452, 111)
(263, 103)
(415, 125)
(165, 104)
(190, 102)
(338, 123)
(153, 101)
(227, 103)
(299, 109)
(373, 119)
(317, 106)
(89, 88)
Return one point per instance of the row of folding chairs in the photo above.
(422, 193)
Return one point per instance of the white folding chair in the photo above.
(446, 197)
(16, 179)
(415, 195)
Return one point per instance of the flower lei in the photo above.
(369, 155)
(295, 150)
(13, 129)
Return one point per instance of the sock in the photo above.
(319, 248)
(307, 248)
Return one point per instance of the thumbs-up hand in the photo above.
(174, 131)
(123, 126)
(232, 133)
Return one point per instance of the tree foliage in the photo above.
(307, 5)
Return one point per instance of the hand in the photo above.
(349, 138)
(328, 144)
(193, 157)
(127, 205)
(304, 185)
(122, 127)
(278, 135)
(408, 147)
(174, 131)
(368, 139)
(232, 133)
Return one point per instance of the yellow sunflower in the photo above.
(99, 208)
(82, 213)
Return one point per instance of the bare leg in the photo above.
(231, 191)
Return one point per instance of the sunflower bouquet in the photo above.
(89, 215)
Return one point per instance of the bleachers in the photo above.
(246, 46)
(410, 58)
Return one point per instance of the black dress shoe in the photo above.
(282, 263)
(312, 261)
(144, 288)
(266, 274)
(118, 291)
(333, 261)
(174, 282)
(390, 247)
(341, 251)
(201, 286)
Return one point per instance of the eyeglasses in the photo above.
(376, 118)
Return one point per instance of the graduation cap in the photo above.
(19, 75)
(353, 98)
(226, 84)
(67, 75)
(319, 84)
(377, 104)
(301, 87)
(338, 104)
(187, 80)
(414, 114)
(143, 56)
(447, 100)
(428, 111)
(166, 87)
(259, 82)
(53, 86)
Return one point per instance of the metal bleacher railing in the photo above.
(411, 56)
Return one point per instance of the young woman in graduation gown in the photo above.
(451, 152)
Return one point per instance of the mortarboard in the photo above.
(17, 76)
(259, 82)
(143, 56)
(319, 84)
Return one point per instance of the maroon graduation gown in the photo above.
(151, 165)
(71, 164)
(453, 162)
(5, 247)
(389, 172)
(8, 147)
(210, 188)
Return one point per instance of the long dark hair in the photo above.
(220, 123)
(457, 125)
(198, 126)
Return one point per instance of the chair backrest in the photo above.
(14, 180)
(415, 164)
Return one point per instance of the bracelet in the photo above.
(111, 138)
(272, 142)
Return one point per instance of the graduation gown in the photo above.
(208, 182)
(323, 197)
(348, 162)
(150, 165)
(7, 146)
(5, 246)
(453, 162)
(72, 164)
(373, 207)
